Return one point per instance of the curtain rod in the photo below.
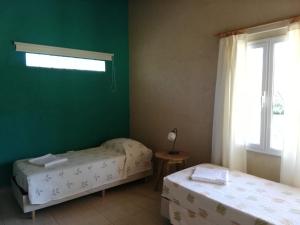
(242, 30)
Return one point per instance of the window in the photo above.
(61, 62)
(63, 58)
(266, 67)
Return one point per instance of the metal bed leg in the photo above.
(33, 215)
(103, 193)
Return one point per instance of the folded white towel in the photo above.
(47, 160)
(210, 175)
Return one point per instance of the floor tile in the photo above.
(131, 204)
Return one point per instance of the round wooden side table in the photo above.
(166, 161)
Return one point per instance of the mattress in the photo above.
(245, 200)
(85, 169)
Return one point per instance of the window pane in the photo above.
(60, 62)
(255, 72)
(277, 116)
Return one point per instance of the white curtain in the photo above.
(228, 141)
(290, 160)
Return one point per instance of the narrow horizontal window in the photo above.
(61, 62)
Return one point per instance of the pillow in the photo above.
(138, 156)
(115, 144)
(123, 144)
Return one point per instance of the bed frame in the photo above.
(24, 202)
(164, 207)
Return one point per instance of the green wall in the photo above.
(47, 110)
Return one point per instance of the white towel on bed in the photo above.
(210, 175)
(47, 160)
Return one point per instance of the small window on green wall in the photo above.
(61, 62)
(63, 58)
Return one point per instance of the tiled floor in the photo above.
(129, 204)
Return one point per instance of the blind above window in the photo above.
(58, 51)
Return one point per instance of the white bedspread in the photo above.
(84, 170)
(245, 200)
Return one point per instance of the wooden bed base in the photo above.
(24, 202)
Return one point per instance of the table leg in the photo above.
(159, 174)
(184, 164)
(179, 166)
(168, 165)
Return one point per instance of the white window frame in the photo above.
(266, 94)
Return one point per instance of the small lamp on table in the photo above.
(172, 136)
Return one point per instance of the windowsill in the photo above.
(271, 153)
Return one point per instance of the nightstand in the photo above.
(166, 161)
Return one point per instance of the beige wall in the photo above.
(173, 62)
(266, 166)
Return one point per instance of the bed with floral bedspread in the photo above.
(244, 200)
(85, 169)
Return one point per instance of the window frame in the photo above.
(47, 50)
(266, 94)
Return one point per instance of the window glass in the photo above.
(60, 62)
(255, 75)
(277, 113)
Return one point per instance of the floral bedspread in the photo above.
(244, 200)
(86, 169)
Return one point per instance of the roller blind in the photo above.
(58, 51)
